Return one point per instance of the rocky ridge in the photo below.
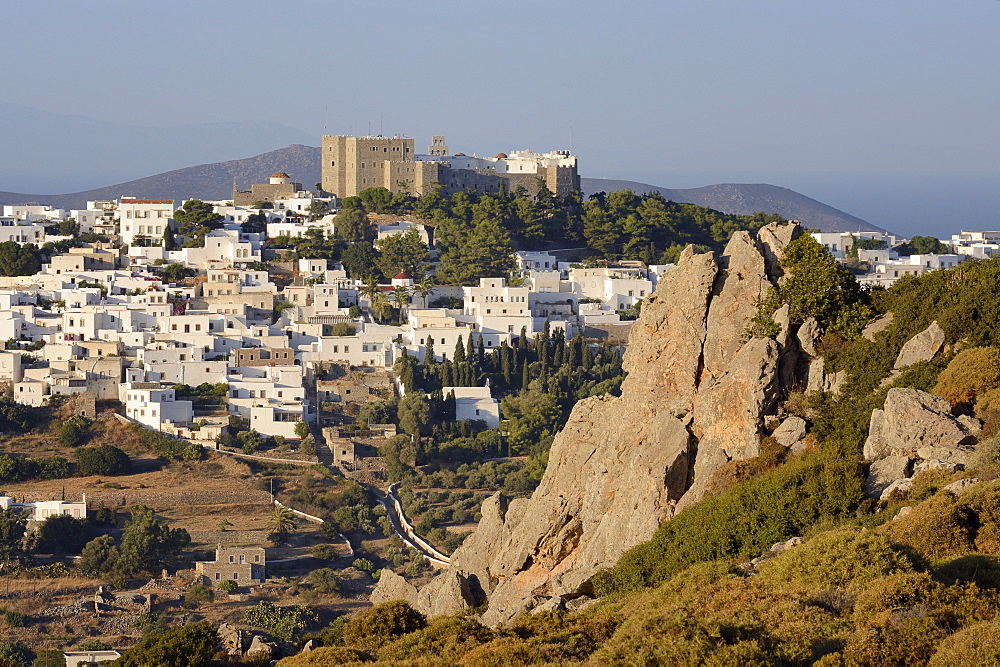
(695, 397)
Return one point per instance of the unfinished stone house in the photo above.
(244, 565)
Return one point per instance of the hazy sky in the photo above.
(887, 109)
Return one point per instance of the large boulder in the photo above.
(232, 639)
(921, 347)
(391, 586)
(914, 420)
(884, 472)
(790, 431)
(807, 336)
(261, 650)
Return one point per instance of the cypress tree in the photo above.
(429, 354)
(525, 376)
(459, 351)
(470, 354)
(482, 350)
(558, 349)
(505, 353)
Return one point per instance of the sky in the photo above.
(887, 110)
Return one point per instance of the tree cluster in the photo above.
(147, 545)
(196, 219)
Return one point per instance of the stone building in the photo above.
(280, 186)
(353, 164)
(244, 565)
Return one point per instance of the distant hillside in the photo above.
(746, 198)
(70, 152)
(215, 181)
(205, 181)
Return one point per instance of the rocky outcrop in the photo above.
(921, 347)
(695, 397)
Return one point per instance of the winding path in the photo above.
(404, 530)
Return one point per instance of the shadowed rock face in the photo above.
(694, 398)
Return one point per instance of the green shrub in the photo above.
(835, 559)
(973, 646)
(327, 655)
(447, 638)
(364, 564)
(16, 654)
(74, 431)
(324, 552)
(103, 460)
(938, 528)
(15, 619)
(382, 624)
(167, 448)
(971, 373)
(93, 645)
(199, 593)
(228, 586)
(185, 646)
(99, 557)
(324, 580)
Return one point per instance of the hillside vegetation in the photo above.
(869, 585)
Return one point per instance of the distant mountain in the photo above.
(302, 163)
(205, 181)
(747, 198)
(70, 152)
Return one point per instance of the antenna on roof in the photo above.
(326, 117)
(380, 124)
